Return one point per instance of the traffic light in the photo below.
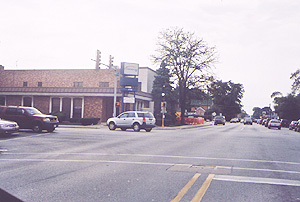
(163, 94)
(98, 59)
(111, 61)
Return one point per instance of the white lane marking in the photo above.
(266, 170)
(257, 180)
(94, 161)
(158, 156)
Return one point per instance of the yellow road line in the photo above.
(183, 191)
(203, 188)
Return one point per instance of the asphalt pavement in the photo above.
(103, 125)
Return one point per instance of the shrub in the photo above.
(89, 121)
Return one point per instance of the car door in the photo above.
(122, 119)
(18, 115)
(130, 119)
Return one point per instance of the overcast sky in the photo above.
(258, 41)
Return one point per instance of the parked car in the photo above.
(293, 125)
(285, 123)
(297, 126)
(29, 118)
(234, 120)
(247, 120)
(136, 120)
(8, 127)
(274, 123)
(219, 120)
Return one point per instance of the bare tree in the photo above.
(188, 58)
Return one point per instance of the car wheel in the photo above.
(37, 128)
(136, 127)
(112, 126)
(123, 129)
(148, 129)
(279, 128)
(269, 127)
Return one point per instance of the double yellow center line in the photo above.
(199, 195)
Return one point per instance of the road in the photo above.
(212, 163)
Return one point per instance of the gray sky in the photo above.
(258, 41)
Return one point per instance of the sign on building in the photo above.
(130, 100)
(129, 69)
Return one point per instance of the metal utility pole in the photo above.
(110, 66)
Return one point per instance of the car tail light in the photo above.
(144, 119)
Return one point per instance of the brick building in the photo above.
(78, 93)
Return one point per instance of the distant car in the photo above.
(247, 120)
(274, 123)
(8, 127)
(285, 123)
(219, 120)
(136, 120)
(267, 122)
(234, 120)
(292, 125)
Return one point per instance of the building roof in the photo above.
(61, 90)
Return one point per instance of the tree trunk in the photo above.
(182, 99)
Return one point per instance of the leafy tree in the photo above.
(227, 98)
(188, 58)
(257, 112)
(195, 94)
(296, 83)
(162, 84)
(288, 107)
(276, 94)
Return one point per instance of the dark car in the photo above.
(285, 123)
(29, 118)
(219, 120)
(293, 124)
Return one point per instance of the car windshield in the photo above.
(33, 111)
(275, 121)
(219, 118)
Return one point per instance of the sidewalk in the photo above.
(103, 125)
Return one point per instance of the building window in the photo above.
(25, 84)
(40, 84)
(55, 107)
(77, 107)
(104, 84)
(2, 100)
(139, 86)
(27, 101)
(78, 84)
(146, 104)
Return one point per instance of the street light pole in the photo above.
(115, 92)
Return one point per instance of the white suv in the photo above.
(132, 119)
